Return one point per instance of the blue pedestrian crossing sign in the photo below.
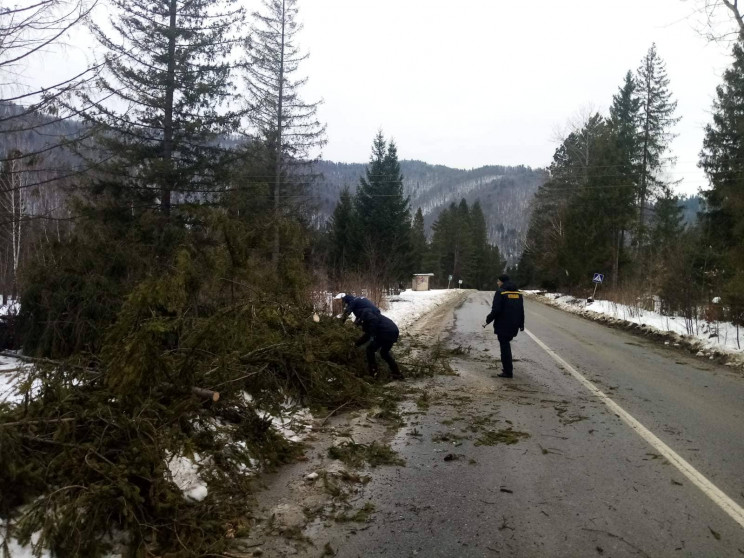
(598, 278)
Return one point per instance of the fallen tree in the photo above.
(188, 371)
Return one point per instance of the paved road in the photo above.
(579, 480)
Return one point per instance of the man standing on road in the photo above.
(507, 315)
(382, 333)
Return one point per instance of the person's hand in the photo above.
(521, 328)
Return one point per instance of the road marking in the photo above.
(734, 510)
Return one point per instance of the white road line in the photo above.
(724, 502)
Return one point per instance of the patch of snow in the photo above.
(407, 307)
(16, 550)
(12, 373)
(185, 474)
(295, 424)
(12, 307)
(707, 336)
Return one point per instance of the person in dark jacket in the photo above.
(355, 304)
(507, 315)
(382, 333)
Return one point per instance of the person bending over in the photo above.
(382, 333)
(355, 304)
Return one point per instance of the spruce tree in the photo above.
(384, 214)
(464, 247)
(655, 121)
(722, 158)
(161, 108)
(624, 119)
(419, 244)
(482, 252)
(343, 231)
(592, 224)
(276, 110)
(555, 240)
(667, 225)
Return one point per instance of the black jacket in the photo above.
(507, 311)
(357, 304)
(376, 326)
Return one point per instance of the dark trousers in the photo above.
(384, 347)
(506, 355)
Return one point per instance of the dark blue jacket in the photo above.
(356, 304)
(377, 326)
(507, 311)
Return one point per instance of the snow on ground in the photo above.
(185, 475)
(11, 374)
(295, 425)
(16, 550)
(707, 336)
(12, 308)
(407, 307)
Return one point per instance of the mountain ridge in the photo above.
(504, 192)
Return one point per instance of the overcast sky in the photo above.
(469, 83)
(483, 82)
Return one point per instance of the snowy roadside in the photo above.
(11, 375)
(714, 340)
(407, 307)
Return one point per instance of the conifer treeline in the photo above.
(607, 208)
(371, 233)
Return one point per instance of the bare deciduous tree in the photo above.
(29, 29)
(13, 214)
(718, 17)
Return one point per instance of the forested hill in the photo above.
(504, 193)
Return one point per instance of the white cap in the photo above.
(339, 296)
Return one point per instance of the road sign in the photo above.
(449, 278)
(598, 278)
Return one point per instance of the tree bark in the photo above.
(167, 185)
(278, 147)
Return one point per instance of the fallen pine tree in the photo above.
(149, 366)
(86, 456)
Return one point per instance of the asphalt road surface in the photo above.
(604, 444)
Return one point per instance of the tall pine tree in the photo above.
(162, 104)
(384, 215)
(655, 122)
(278, 114)
(343, 230)
(624, 118)
(722, 158)
(419, 245)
